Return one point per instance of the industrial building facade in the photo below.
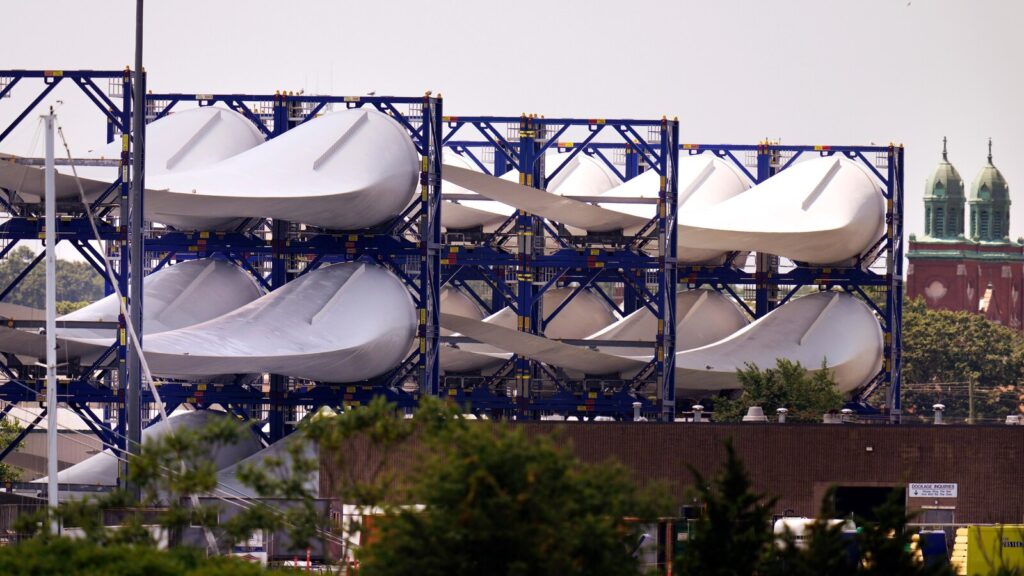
(798, 463)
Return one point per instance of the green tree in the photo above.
(76, 281)
(499, 502)
(789, 385)
(169, 470)
(946, 353)
(81, 557)
(67, 307)
(9, 430)
(733, 534)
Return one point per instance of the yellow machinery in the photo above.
(979, 550)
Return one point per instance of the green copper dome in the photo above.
(990, 184)
(944, 202)
(990, 204)
(945, 181)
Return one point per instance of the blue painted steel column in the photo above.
(632, 168)
(498, 300)
(430, 247)
(894, 303)
(630, 296)
(501, 163)
(763, 303)
(668, 236)
(136, 254)
(278, 278)
(527, 228)
(122, 279)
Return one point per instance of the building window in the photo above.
(983, 227)
(928, 221)
(940, 221)
(997, 225)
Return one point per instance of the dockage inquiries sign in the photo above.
(932, 490)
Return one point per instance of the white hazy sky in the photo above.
(808, 72)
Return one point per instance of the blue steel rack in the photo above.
(413, 237)
(83, 384)
(521, 143)
(876, 277)
(412, 246)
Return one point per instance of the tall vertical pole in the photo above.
(894, 307)
(278, 278)
(133, 406)
(51, 322)
(766, 291)
(121, 248)
(430, 247)
(668, 238)
(970, 400)
(280, 414)
(528, 300)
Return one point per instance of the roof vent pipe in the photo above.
(939, 409)
(782, 414)
(636, 413)
(698, 410)
(846, 415)
(755, 414)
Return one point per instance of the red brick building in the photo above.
(980, 272)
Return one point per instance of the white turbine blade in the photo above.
(846, 336)
(101, 469)
(216, 287)
(585, 314)
(581, 176)
(345, 170)
(821, 211)
(549, 205)
(179, 141)
(342, 323)
(703, 317)
(539, 347)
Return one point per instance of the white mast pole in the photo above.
(51, 321)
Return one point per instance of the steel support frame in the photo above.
(413, 237)
(435, 257)
(525, 152)
(253, 252)
(772, 158)
(76, 229)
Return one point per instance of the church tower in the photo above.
(982, 273)
(944, 201)
(990, 204)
